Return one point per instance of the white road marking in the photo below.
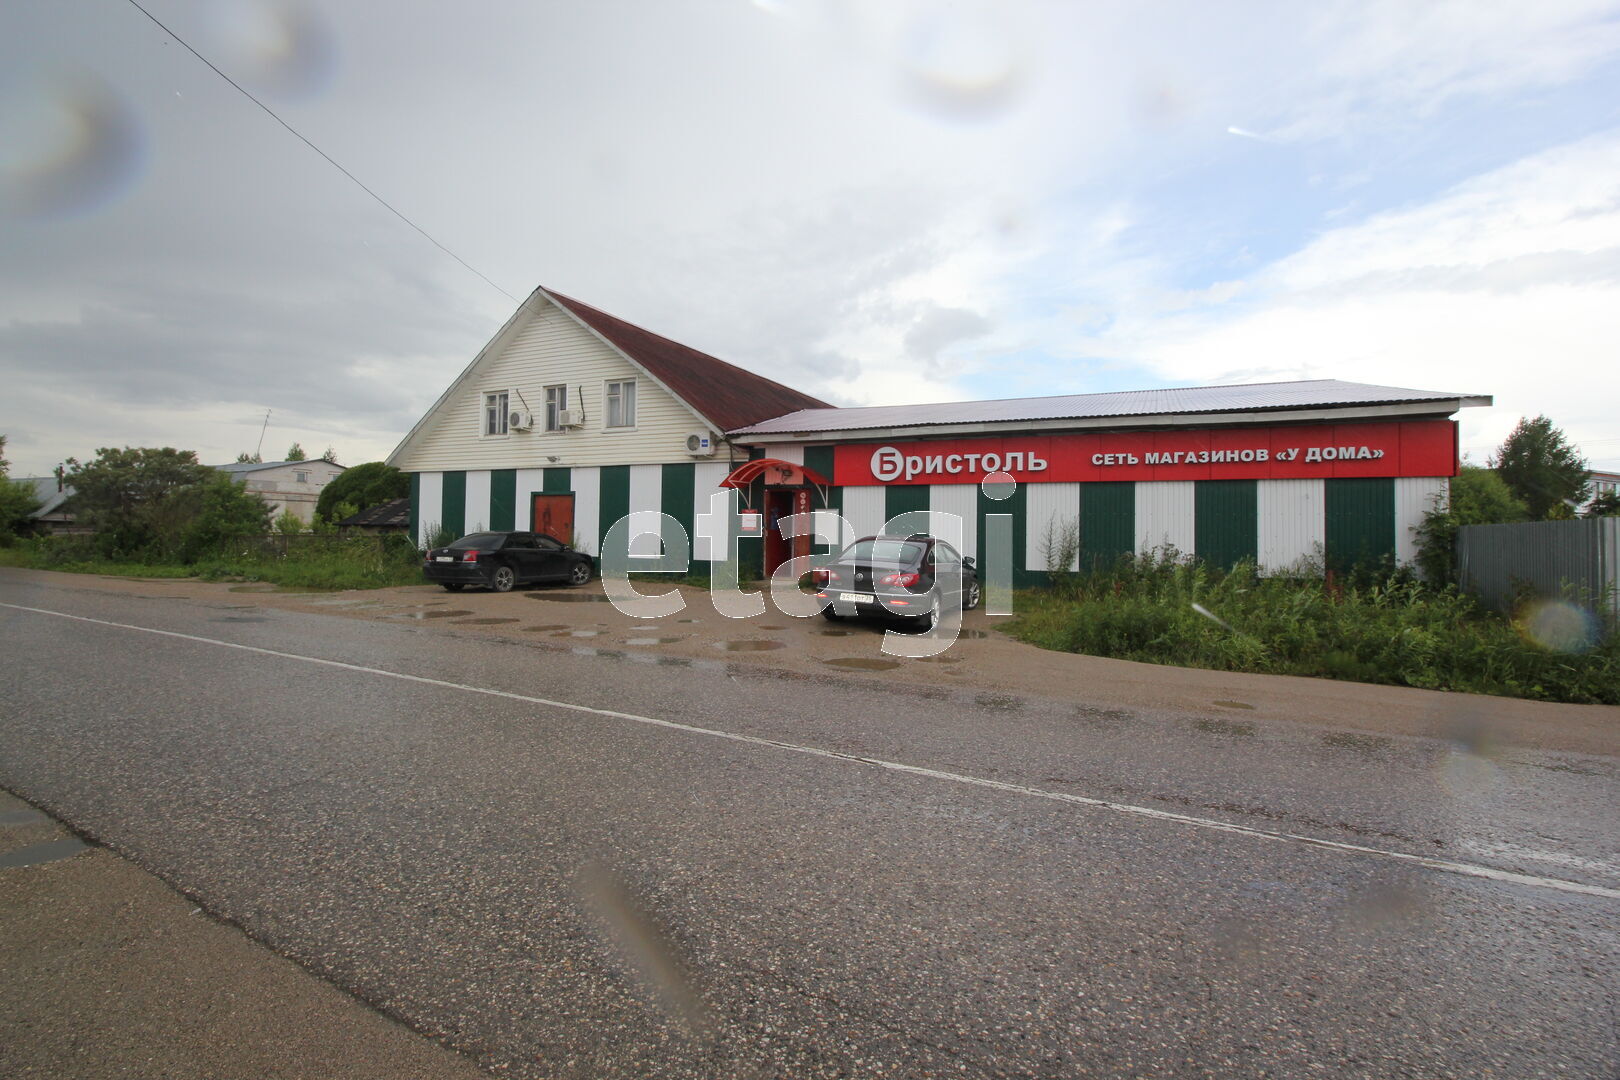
(1443, 865)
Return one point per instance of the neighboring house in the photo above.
(570, 419)
(286, 485)
(1602, 483)
(55, 513)
(386, 517)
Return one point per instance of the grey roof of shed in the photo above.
(256, 466)
(1248, 397)
(45, 490)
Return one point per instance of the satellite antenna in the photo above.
(258, 451)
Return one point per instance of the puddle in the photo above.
(34, 854)
(240, 618)
(749, 646)
(650, 640)
(13, 818)
(1226, 727)
(482, 622)
(862, 663)
(686, 620)
(286, 589)
(835, 633)
(543, 629)
(450, 613)
(578, 633)
(940, 659)
(1002, 702)
(570, 598)
(972, 634)
(350, 603)
(770, 626)
(1233, 704)
(1349, 740)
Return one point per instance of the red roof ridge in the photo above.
(728, 396)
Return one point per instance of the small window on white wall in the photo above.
(621, 404)
(495, 413)
(556, 405)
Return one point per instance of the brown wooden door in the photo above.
(553, 516)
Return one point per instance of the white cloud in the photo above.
(1508, 284)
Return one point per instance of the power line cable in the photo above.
(299, 135)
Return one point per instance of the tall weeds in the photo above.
(1371, 627)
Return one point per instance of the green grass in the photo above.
(1390, 629)
(361, 563)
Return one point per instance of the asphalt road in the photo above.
(567, 864)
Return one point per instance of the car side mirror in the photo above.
(967, 560)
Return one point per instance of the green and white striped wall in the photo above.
(1276, 523)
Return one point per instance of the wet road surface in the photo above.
(570, 861)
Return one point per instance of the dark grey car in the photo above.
(897, 577)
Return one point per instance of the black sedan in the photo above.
(501, 560)
(907, 577)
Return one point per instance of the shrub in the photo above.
(1382, 628)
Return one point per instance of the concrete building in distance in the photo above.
(570, 419)
(286, 485)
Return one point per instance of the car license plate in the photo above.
(443, 558)
(855, 598)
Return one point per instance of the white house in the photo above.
(286, 485)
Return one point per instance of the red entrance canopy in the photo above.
(777, 473)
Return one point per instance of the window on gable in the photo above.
(621, 404)
(495, 413)
(302, 478)
(556, 404)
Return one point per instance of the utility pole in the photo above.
(258, 451)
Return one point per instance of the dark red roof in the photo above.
(725, 394)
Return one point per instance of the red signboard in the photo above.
(1299, 451)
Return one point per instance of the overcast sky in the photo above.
(875, 202)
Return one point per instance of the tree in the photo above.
(1541, 467)
(1605, 505)
(294, 453)
(17, 500)
(138, 499)
(330, 455)
(222, 512)
(1478, 497)
(245, 458)
(364, 486)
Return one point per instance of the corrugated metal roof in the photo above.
(46, 492)
(240, 467)
(1310, 393)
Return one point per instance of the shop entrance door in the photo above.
(781, 503)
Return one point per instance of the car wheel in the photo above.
(936, 609)
(829, 614)
(971, 600)
(503, 579)
(579, 573)
(453, 586)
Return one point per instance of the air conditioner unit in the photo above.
(700, 444)
(570, 417)
(520, 421)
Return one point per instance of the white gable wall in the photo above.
(552, 348)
